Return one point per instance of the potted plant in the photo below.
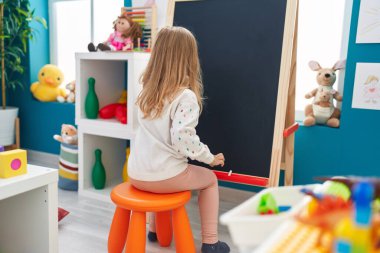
(15, 33)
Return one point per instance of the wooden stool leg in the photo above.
(183, 235)
(119, 230)
(164, 228)
(136, 238)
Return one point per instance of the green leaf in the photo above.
(42, 21)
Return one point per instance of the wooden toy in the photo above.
(146, 16)
(92, 102)
(149, 48)
(13, 163)
(98, 171)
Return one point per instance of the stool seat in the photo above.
(128, 197)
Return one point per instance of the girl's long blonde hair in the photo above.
(173, 66)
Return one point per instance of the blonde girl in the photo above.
(169, 108)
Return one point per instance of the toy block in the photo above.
(13, 163)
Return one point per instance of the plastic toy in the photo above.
(335, 222)
(336, 189)
(322, 110)
(62, 213)
(121, 114)
(98, 171)
(123, 97)
(350, 182)
(2, 148)
(69, 135)
(267, 205)
(125, 167)
(118, 110)
(299, 238)
(70, 98)
(126, 32)
(13, 163)
(91, 102)
(48, 89)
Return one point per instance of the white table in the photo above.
(29, 212)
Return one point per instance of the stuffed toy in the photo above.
(322, 110)
(47, 89)
(69, 135)
(125, 35)
(70, 98)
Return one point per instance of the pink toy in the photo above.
(126, 32)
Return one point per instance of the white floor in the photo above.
(85, 229)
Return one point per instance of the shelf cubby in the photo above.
(113, 72)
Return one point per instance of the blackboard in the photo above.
(240, 47)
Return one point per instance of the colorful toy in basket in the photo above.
(340, 218)
(267, 205)
(125, 35)
(116, 110)
(322, 110)
(13, 163)
(48, 89)
(68, 158)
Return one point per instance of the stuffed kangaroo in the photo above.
(322, 110)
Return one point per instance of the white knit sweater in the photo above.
(162, 145)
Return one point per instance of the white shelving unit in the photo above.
(113, 72)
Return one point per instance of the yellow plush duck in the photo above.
(47, 89)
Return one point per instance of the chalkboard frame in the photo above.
(282, 149)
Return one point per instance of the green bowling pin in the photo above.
(98, 171)
(91, 105)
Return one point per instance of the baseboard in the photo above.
(43, 159)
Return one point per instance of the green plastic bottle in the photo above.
(98, 171)
(91, 105)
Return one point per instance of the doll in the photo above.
(126, 32)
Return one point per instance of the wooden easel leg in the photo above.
(290, 113)
(285, 118)
(17, 132)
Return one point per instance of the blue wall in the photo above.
(39, 121)
(354, 148)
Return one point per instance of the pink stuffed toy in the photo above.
(126, 32)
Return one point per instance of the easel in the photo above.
(288, 62)
(17, 134)
(285, 125)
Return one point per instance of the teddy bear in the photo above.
(69, 135)
(70, 97)
(322, 110)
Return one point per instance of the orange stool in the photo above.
(129, 221)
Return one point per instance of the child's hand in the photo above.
(218, 160)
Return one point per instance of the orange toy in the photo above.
(129, 221)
